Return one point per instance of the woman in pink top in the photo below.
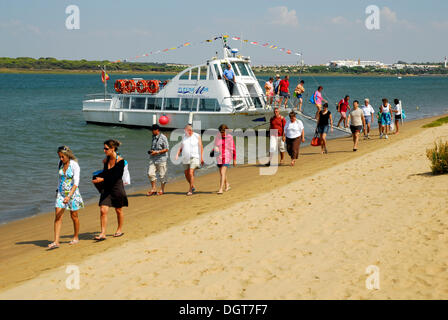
(224, 152)
(318, 99)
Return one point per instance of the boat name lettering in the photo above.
(192, 90)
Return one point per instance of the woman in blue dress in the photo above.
(67, 196)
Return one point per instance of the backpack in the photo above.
(312, 99)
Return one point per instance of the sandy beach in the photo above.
(308, 232)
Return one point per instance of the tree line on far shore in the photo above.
(49, 63)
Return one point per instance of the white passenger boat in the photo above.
(198, 93)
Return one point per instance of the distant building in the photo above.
(355, 63)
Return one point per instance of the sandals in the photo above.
(150, 193)
(98, 238)
(53, 245)
(116, 235)
(160, 193)
(74, 242)
(189, 193)
(228, 188)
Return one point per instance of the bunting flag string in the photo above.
(224, 37)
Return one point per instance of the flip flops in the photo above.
(116, 235)
(74, 242)
(52, 246)
(151, 193)
(98, 238)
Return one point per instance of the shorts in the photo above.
(155, 168)
(193, 164)
(386, 119)
(368, 119)
(277, 143)
(355, 129)
(398, 117)
(298, 96)
(343, 115)
(323, 129)
(284, 94)
(227, 165)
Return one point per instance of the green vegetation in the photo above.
(45, 64)
(436, 123)
(321, 70)
(438, 157)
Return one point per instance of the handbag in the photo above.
(315, 142)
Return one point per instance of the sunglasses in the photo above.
(62, 148)
(106, 148)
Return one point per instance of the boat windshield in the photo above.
(243, 69)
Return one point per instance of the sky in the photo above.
(322, 30)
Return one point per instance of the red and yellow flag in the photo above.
(104, 76)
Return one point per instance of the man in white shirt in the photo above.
(192, 155)
(368, 112)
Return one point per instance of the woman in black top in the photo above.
(324, 124)
(112, 191)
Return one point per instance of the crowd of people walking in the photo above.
(286, 136)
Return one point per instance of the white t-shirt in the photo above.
(367, 110)
(190, 147)
(293, 129)
(356, 117)
(398, 108)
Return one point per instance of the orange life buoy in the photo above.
(119, 85)
(142, 86)
(153, 86)
(129, 86)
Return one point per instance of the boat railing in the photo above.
(98, 96)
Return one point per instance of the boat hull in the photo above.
(177, 120)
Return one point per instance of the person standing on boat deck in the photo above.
(229, 76)
(318, 99)
(386, 118)
(293, 134)
(397, 110)
(269, 87)
(112, 193)
(158, 156)
(277, 122)
(299, 91)
(67, 196)
(324, 123)
(284, 91)
(343, 106)
(192, 155)
(357, 122)
(226, 153)
(368, 111)
(276, 91)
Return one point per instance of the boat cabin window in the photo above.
(208, 105)
(185, 75)
(243, 69)
(203, 73)
(138, 103)
(154, 104)
(218, 73)
(257, 102)
(194, 74)
(235, 69)
(250, 70)
(125, 103)
(224, 67)
(189, 104)
(171, 104)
